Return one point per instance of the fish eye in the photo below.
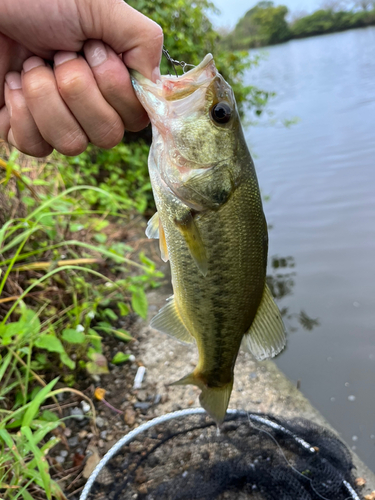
(221, 112)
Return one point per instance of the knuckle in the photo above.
(139, 123)
(36, 88)
(156, 32)
(72, 144)
(111, 135)
(72, 85)
(38, 148)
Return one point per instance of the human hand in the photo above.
(81, 99)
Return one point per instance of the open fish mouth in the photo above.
(173, 88)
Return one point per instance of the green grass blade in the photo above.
(37, 401)
(4, 365)
(41, 461)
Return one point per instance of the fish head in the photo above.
(195, 133)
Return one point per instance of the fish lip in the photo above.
(157, 87)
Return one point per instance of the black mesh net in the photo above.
(253, 456)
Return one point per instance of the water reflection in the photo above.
(281, 283)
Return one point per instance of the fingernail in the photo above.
(13, 80)
(156, 75)
(63, 57)
(95, 53)
(32, 62)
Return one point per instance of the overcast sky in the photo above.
(232, 10)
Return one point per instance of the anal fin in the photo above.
(266, 336)
(168, 320)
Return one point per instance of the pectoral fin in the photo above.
(152, 229)
(266, 336)
(163, 244)
(168, 320)
(193, 239)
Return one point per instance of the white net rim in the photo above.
(170, 416)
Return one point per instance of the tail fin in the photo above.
(214, 400)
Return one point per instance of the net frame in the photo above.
(253, 417)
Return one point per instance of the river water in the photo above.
(319, 176)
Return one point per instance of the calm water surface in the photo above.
(320, 178)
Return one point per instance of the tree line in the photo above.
(266, 24)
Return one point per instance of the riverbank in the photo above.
(266, 24)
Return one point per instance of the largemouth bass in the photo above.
(211, 227)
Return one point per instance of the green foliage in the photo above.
(328, 21)
(120, 173)
(265, 24)
(262, 25)
(50, 247)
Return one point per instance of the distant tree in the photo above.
(365, 4)
(335, 5)
(264, 24)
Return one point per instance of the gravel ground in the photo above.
(258, 387)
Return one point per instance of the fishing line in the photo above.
(300, 441)
(174, 62)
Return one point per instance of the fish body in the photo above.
(211, 227)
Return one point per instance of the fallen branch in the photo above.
(40, 266)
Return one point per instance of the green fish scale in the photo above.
(219, 308)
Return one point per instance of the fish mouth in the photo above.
(172, 88)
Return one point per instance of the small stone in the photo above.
(67, 432)
(143, 489)
(64, 453)
(110, 437)
(60, 459)
(351, 397)
(101, 443)
(77, 413)
(129, 416)
(140, 476)
(73, 441)
(85, 406)
(157, 399)
(142, 406)
(142, 395)
(103, 434)
(100, 421)
(360, 481)
(82, 434)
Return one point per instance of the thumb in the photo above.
(128, 32)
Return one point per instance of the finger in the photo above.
(55, 122)
(80, 92)
(114, 83)
(23, 132)
(130, 33)
(4, 123)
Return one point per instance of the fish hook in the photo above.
(175, 63)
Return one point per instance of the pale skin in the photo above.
(64, 73)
